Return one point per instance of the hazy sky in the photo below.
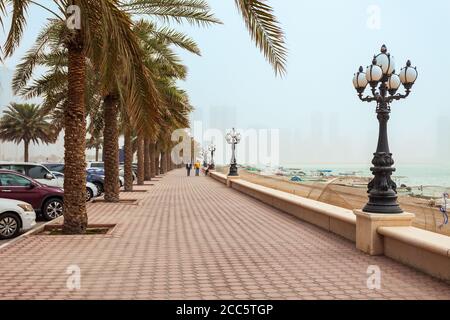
(315, 106)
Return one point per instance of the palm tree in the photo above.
(26, 123)
(95, 142)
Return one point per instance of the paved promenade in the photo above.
(194, 238)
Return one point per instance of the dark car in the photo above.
(100, 173)
(46, 201)
(97, 179)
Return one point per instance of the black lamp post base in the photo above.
(233, 171)
(383, 202)
(382, 208)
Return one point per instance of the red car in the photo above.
(47, 201)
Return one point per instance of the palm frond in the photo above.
(195, 12)
(265, 30)
(18, 23)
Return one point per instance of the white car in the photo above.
(35, 171)
(91, 189)
(14, 217)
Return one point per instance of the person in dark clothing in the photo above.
(188, 168)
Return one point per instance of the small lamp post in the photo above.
(233, 138)
(212, 149)
(381, 77)
(205, 158)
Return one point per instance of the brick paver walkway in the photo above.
(194, 238)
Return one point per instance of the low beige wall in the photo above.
(334, 219)
(420, 249)
(424, 250)
(218, 176)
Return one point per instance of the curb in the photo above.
(29, 232)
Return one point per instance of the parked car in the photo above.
(101, 172)
(35, 171)
(98, 165)
(91, 189)
(97, 179)
(95, 164)
(46, 200)
(122, 172)
(15, 216)
(54, 167)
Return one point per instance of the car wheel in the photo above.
(89, 194)
(9, 226)
(53, 209)
(99, 187)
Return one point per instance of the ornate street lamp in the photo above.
(212, 149)
(205, 157)
(233, 138)
(381, 77)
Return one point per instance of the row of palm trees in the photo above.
(117, 75)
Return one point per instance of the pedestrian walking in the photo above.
(197, 166)
(188, 168)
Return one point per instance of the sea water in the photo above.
(410, 175)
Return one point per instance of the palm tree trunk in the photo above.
(111, 148)
(157, 171)
(152, 159)
(75, 217)
(166, 155)
(163, 162)
(141, 168)
(169, 162)
(96, 153)
(147, 170)
(26, 147)
(128, 160)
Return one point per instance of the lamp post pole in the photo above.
(233, 138)
(205, 158)
(212, 149)
(382, 79)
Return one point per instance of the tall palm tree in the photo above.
(26, 123)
